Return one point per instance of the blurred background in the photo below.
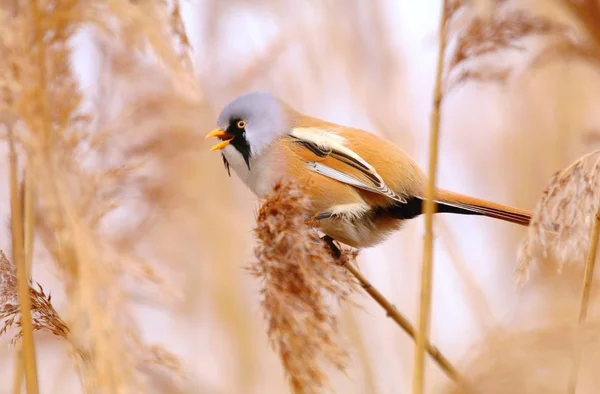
(368, 64)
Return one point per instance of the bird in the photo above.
(362, 187)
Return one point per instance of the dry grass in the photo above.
(72, 201)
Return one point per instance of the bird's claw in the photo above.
(318, 216)
(335, 251)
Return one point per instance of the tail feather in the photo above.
(452, 202)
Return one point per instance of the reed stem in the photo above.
(427, 269)
(29, 361)
(29, 219)
(403, 322)
(586, 291)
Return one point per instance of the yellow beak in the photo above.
(223, 135)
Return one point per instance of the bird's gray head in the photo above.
(250, 123)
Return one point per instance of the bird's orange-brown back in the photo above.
(397, 169)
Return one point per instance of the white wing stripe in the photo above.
(350, 180)
(329, 140)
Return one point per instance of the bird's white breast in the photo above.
(265, 170)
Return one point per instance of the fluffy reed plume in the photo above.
(502, 28)
(560, 230)
(585, 44)
(43, 313)
(562, 238)
(298, 274)
(507, 27)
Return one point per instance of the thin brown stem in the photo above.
(27, 206)
(586, 291)
(22, 278)
(403, 322)
(29, 219)
(589, 270)
(427, 269)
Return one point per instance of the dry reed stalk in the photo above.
(29, 219)
(403, 322)
(28, 347)
(23, 231)
(429, 208)
(27, 205)
(298, 274)
(585, 297)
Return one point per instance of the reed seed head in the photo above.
(561, 225)
(299, 276)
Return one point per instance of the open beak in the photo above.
(223, 135)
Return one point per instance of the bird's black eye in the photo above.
(241, 124)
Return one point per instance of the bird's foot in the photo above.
(335, 251)
(310, 222)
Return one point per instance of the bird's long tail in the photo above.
(452, 202)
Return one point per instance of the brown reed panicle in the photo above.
(588, 13)
(585, 44)
(502, 29)
(44, 315)
(298, 274)
(560, 229)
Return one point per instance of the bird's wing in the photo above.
(325, 153)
